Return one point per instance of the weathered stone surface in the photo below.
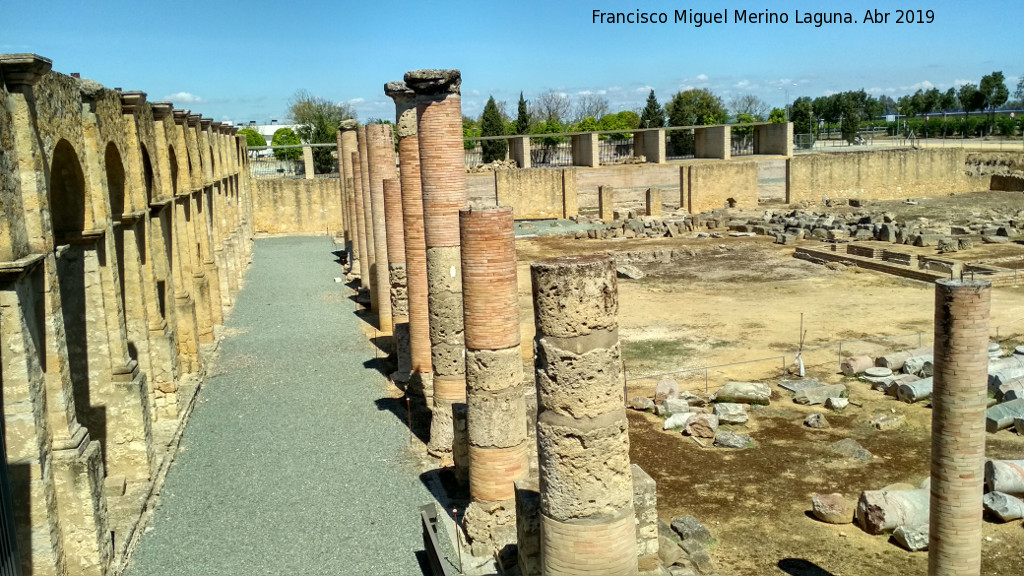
(880, 511)
(730, 413)
(915, 391)
(837, 404)
(913, 538)
(895, 360)
(1003, 415)
(887, 421)
(645, 505)
(641, 403)
(689, 528)
(676, 406)
(575, 296)
(855, 365)
(578, 385)
(816, 420)
(629, 271)
(677, 421)
(698, 556)
(798, 385)
(1005, 476)
(919, 365)
(664, 389)
(878, 372)
(498, 418)
(851, 449)
(833, 508)
(815, 396)
(731, 440)
(694, 400)
(744, 393)
(668, 551)
(702, 425)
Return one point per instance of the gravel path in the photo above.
(287, 465)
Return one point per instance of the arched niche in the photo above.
(147, 175)
(70, 214)
(115, 181)
(174, 170)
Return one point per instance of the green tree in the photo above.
(947, 101)
(253, 138)
(653, 115)
(523, 117)
(777, 116)
(625, 120)
(286, 137)
(970, 99)
(802, 115)
(492, 124)
(317, 122)
(994, 92)
(695, 107)
(470, 129)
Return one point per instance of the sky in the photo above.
(241, 61)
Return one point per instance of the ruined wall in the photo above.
(289, 206)
(536, 193)
(879, 175)
(712, 185)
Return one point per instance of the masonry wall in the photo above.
(291, 206)
(714, 185)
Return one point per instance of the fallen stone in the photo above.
(851, 449)
(915, 391)
(994, 351)
(920, 365)
(676, 570)
(675, 406)
(629, 271)
(878, 372)
(815, 396)
(1005, 476)
(641, 403)
(668, 551)
(855, 365)
(665, 388)
(881, 511)
(1003, 506)
(837, 404)
(836, 266)
(896, 360)
(833, 508)
(730, 413)
(698, 556)
(913, 538)
(744, 393)
(798, 385)
(816, 420)
(702, 425)
(891, 385)
(886, 421)
(690, 529)
(965, 243)
(693, 400)
(1018, 425)
(995, 239)
(1002, 415)
(947, 245)
(731, 440)
(677, 421)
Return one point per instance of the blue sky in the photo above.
(241, 61)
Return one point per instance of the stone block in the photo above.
(833, 508)
(730, 413)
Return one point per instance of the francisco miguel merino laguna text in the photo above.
(697, 18)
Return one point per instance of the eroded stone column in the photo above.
(353, 242)
(443, 179)
(397, 277)
(364, 257)
(959, 398)
(421, 379)
(498, 452)
(371, 248)
(380, 145)
(586, 485)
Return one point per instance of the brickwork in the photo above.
(959, 400)
(360, 213)
(371, 249)
(443, 181)
(398, 277)
(349, 146)
(381, 150)
(586, 485)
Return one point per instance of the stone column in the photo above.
(586, 487)
(363, 260)
(520, 151)
(421, 380)
(307, 161)
(958, 426)
(498, 452)
(353, 242)
(380, 145)
(443, 178)
(606, 203)
(371, 248)
(397, 277)
(653, 198)
(342, 195)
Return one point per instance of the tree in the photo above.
(970, 98)
(750, 105)
(653, 115)
(553, 107)
(993, 92)
(492, 124)
(590, 106)
(777, 116)
(625, 120)
(695, 107)
(1018, 94)
(523, 117)
(802, 115)
(947, 101)
(252, 137)
(317, 119)
(286, 137)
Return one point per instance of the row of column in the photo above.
(125, 232)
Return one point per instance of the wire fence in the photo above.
(289, 161)
(680, 144)
(615, 149)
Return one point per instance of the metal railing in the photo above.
(289, 161)
(550, 150)
(615, 149)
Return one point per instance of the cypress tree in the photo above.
(492, 124)
(653, 115)
(523, 119)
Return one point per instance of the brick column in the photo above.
(371, 250)
(353, 241)
(342, 192)
(586, 486)
(364, 256)
(421, 380)
(397, 277)
(498, 452)
(958, 426)
(381, 162)
(443, 178)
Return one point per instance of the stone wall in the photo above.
(292, 206)
(711, 185)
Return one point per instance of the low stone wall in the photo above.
(537, 193)
(880, 175)
(711, 185)
(289, 206)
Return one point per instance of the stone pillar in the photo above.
(653, 197)
(353, 242)
(363, 260)
(421, 380)
(713, 142)
(958, 426)
(520, 150)
(397, 276)
(371, 249)
(307, 161)
(498, 452)
(774, 139)
(586, 485)
(380, 145)
(606, 203)
(342, 202)
(586, 150)
(654, 145)
(645, 504)
(443, 178)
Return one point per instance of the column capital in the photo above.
(206, 123)
(132, 101)
(23, 69)
(161, 110)
(348, 124)
(181, 116)
(193, 120)
(432, 82)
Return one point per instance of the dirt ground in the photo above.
(741, 299)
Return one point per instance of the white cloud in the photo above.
(644, 89)
(744, 84)
(702, 77)
(357, 101)
(922, 85)
(183, 98)
(960, 82)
